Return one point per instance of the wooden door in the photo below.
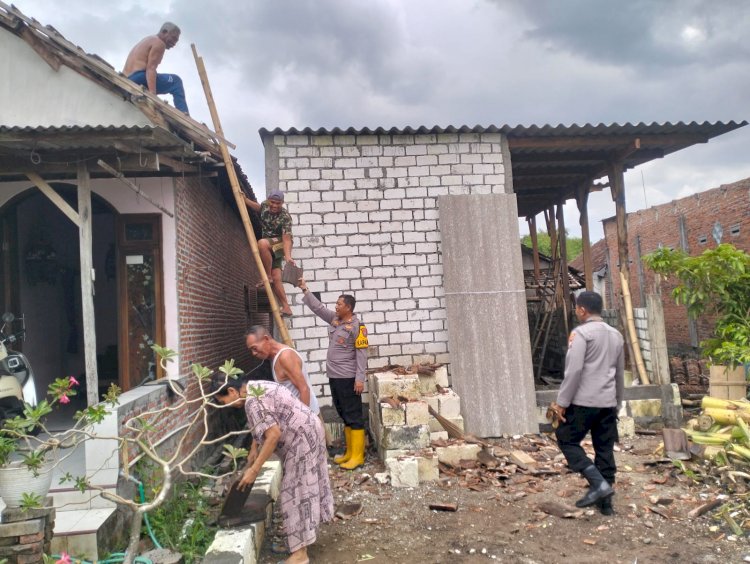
(141, 297)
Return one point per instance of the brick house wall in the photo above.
(215, 268)
(365, 212)
(660, 225)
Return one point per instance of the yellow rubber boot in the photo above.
(348, 453)
(358, 450)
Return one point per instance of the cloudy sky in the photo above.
(328, 63)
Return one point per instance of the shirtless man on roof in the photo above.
(144, 58)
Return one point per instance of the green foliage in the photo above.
(573, 245)
(7, 448)
(716, 282)
(31, 501)
(184, 523)
(235, 454)
(230, 369)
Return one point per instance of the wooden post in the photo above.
(617, 186)
(641, 277)
(87, 283)
(658, 337)
(240, 199)
(564, 275)
(535, 249)
(631, 332)
(582, 199)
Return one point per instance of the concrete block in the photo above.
(385, 454)
(409, 437)
(404, 471)
(427, 384)
(626, 428)
(417, 413)
(433, 401)
(428, 468)
(441, 375)
(390, 416)
(645, 408)
(454, 454)
(388, 384)
(20, 528)
(449, 404)
(435, 425)
(438, 436)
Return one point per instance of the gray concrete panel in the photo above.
(488, 333)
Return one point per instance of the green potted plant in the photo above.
(714, 283)
(28, 450)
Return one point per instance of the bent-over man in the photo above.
(144, 59)
(346, 363)
(281, 424)
(589, 398)
(275, 243)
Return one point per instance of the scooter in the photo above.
(16, 375)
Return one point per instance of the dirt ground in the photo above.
(503, 522)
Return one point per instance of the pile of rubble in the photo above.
(412, 411)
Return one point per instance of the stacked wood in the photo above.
(677, 370)
(693, 369)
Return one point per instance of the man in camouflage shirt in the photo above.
(276, 242)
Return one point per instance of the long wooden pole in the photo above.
(239, 198)
(87, 284)
(631, 330)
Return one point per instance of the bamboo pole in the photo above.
(631, 330)
(239, 198)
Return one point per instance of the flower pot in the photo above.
(16, 479)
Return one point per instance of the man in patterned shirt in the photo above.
(276, 242)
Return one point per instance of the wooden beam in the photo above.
(617, 186)
(56, 199)
(582, 200)
(240, 198)
(535, 249)
(134, 187)
(43, 50)
(563, 238)
(87, 284)
(607, 142)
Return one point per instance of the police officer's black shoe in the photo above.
(599, 487)
(605, 506)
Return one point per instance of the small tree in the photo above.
(140, 437)
(716, 282)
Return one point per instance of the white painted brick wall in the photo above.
(366, 222)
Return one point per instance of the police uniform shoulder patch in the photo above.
(361, 341)
(570, 338)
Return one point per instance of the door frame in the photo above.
(125, 248)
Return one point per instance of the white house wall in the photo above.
(124, 200)
(33, 94)
(365, 216)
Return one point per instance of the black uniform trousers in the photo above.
(602, 422)
(347, 402)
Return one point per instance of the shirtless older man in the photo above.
(145, 57)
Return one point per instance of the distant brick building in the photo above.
(695, 223)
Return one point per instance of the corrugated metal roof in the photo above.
(560, 130)
(551, 162)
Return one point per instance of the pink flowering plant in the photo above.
(27, 438)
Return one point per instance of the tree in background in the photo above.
(574, 245)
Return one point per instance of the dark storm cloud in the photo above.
(646, 34)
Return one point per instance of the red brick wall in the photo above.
(728, 204)
(214, 264)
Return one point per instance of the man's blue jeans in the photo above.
(165, 84)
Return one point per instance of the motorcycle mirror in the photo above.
(8, 317)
